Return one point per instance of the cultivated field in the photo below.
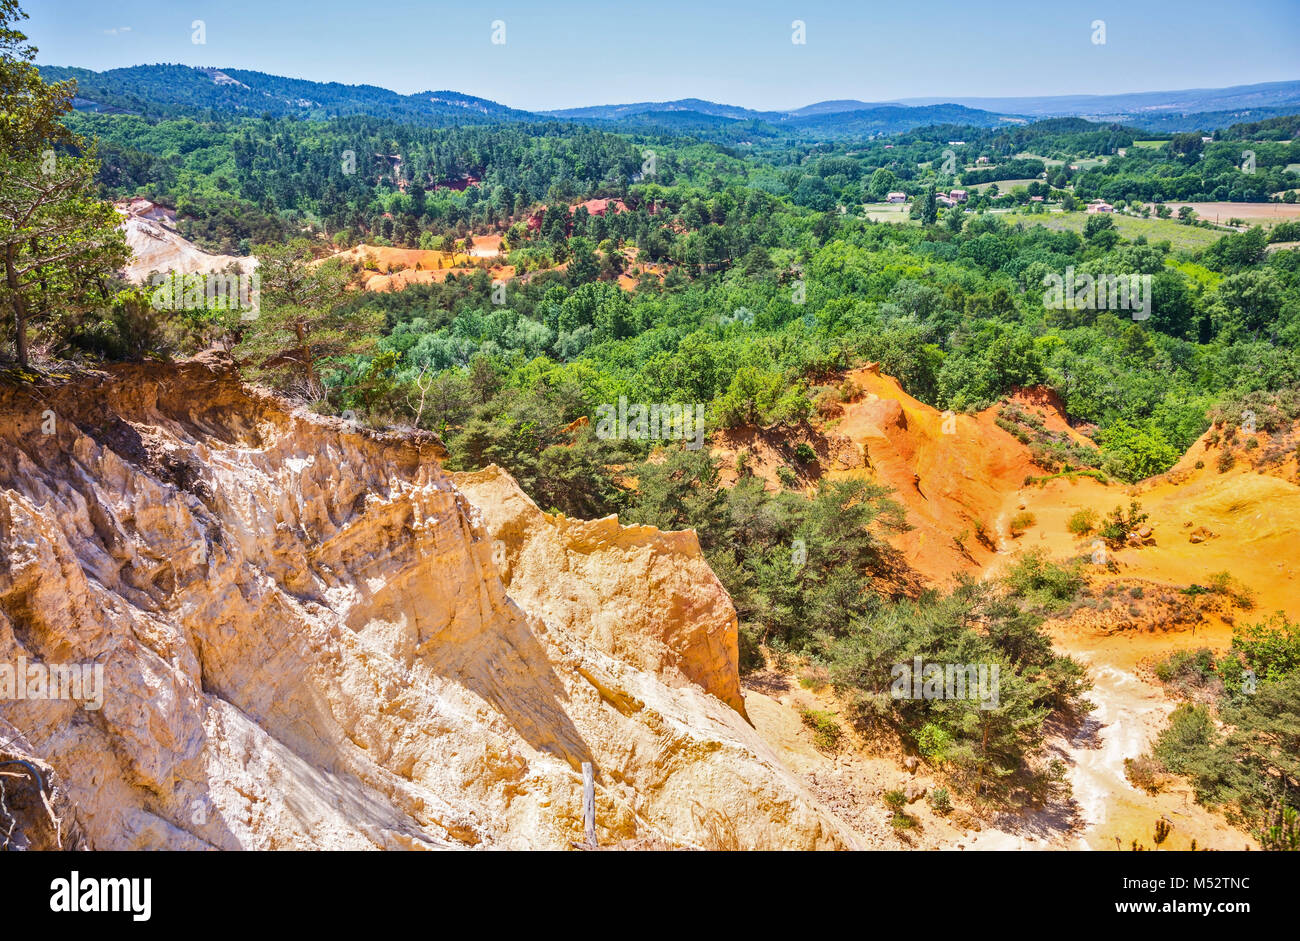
(1253, 213)
(886, 212)
(1004, 186)
(1181, 236)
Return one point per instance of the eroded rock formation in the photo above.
(307, 640)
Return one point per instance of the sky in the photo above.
(569, 53)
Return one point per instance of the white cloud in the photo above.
(116, 30)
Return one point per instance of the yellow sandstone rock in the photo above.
(307, 640)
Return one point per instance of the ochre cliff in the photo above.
(644, 596)
(307, 640)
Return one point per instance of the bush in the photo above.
(1191, 672)
(805, 453)
(895, 800)
(1187, 742)
(788, 478)
(1270, 648)
(1222, 583)
(933, 741)
(1082, 522)
(941, 801)
(1037, 578)
(1145, 772)
(1119, 524)
(1022, 521)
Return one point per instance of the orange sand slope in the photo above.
(1251, 512)
(954, 475)
(392, 269)
(952, 483)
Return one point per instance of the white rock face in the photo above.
(307, 642)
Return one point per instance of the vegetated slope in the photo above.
(307, 642)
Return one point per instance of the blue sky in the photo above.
(567, 53)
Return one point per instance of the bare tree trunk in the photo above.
(301, 333)
(423, 385)
(20, 309)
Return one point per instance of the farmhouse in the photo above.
(1035, 199)
(981, 161)
(943, 200)
(958, 196)
(1098, 205)
(896, 197)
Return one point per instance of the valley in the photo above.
(397, 469)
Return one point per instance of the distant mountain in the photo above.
(1173, 122)
(864, 113)
(1136, 104)
(157, 91)
(696, 105)
(1186, 109)
(838, 106)
(894, 119)
(167, 90)
(827, 119)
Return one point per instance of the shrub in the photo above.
(1188, 740)
(1119, 524)
(1022, 521)
(1145, 772)
(804, 452)
(1225, 462)
(895, 800)
(1037, 578)
(1189, 671)
(933, 741)
(1082, 522)
(1270, 648)
(788, 478)
(941, 801)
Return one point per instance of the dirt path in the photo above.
(1104, 811)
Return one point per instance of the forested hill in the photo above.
(160, 91)
(164, 91)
